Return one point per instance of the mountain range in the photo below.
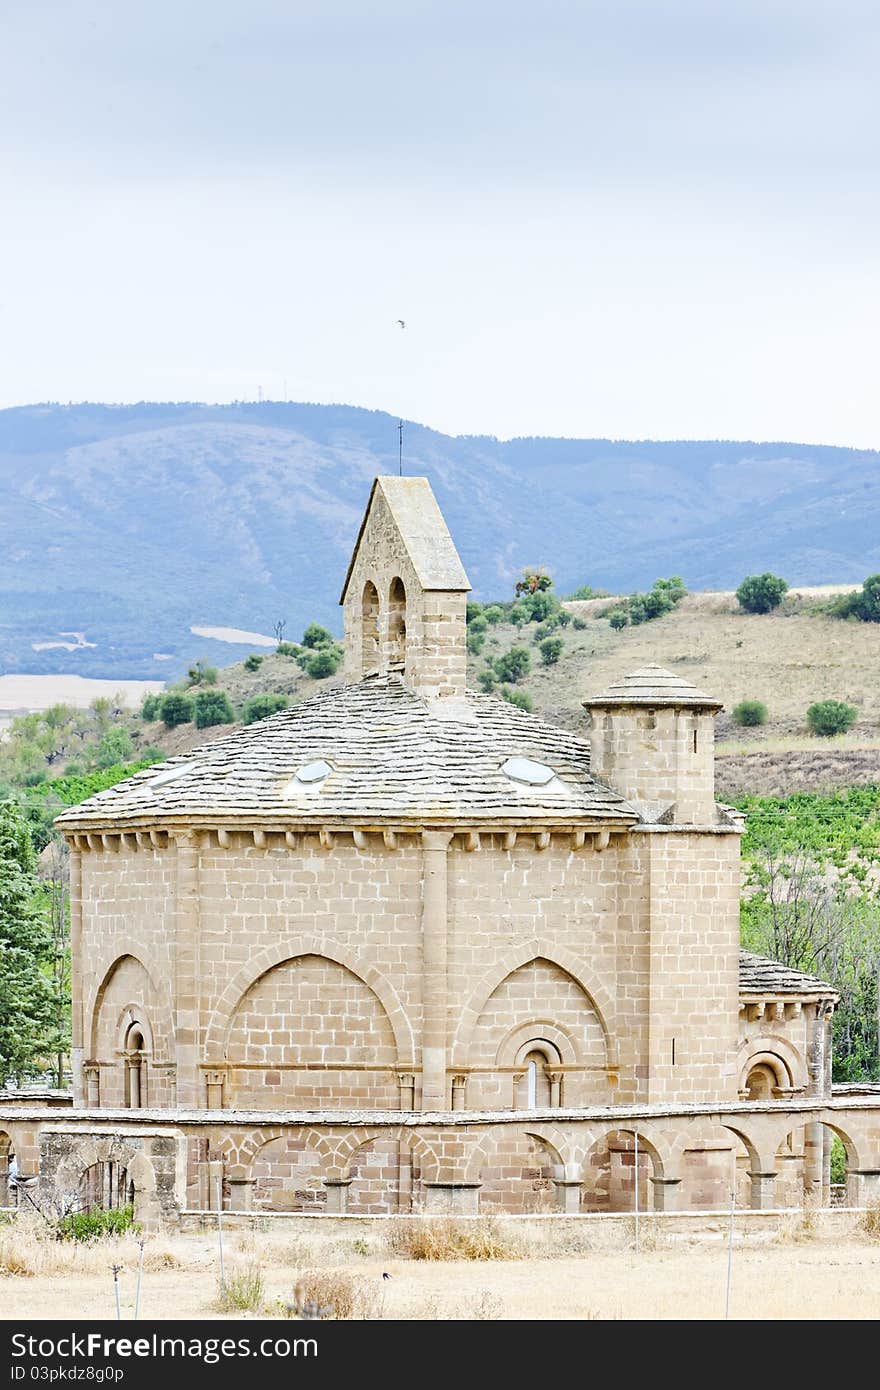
(132, 524)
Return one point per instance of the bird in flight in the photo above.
(401, 322)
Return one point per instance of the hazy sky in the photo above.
(637, 218)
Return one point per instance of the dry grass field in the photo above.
(596, 1274)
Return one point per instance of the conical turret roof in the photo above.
(653, 686)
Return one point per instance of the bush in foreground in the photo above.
(829, 717)
(175, 708)
(444, 1238)
(92, 1225)
(749, 713)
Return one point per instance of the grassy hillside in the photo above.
(132, 524)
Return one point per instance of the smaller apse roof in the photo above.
(760, 975)
(423, 531)
(653, 686)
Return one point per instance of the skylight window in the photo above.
(171, 775)
(527, 771)
(308, 778)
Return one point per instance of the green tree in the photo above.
(252, 662)
(551, 650)
(28, 1008)
(175, 708)
(863, 604)
(472, 611)
(829, 717)
(759, 593)
(486, 679)
(749, 713)
(115, 747)
(324, 662)
(618, 619)
(513, 665)
(475, 641)
(317, 636)
(260, 706)
(213, 707)
(493, 614)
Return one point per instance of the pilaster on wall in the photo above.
(186, 969)
(693, 963)
(77, 1045)
(435, 845)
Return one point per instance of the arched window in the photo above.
(134, 1068)
(370, 629)
(537, 1082)
(397, 626)
(760, 1082)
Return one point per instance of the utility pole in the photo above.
(400, 447)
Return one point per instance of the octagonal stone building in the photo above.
(405, 942)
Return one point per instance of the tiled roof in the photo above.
(652, 685)
(423, 531)
(759, 975)
(393, 757)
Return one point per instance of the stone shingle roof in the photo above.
(423, 531)
(654, 686)
(759, 975)
(394, 757)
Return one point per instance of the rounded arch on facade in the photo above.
(370, 653)
(89, 1152)
(396, 624)
(217, 1035)
(514, 960)
(539, 1036)
(93, 1012)
(133, 1018)
(777, 1054)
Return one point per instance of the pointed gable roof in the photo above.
(654, 686)
(422, 529)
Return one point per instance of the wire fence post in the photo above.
(729, 1253)
(116, 1269)
(636, 1188)
(220, 1228)
(137, 1297)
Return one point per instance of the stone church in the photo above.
(406, 947)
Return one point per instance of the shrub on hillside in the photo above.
(486, 679)
(618, 619)
(864, 604)
(252, 662)
(213, 707)
(513, 665)
(475, 641)
(477, 624)
(749, 713)
(520, 614)
(287, 649)
(759, 593)
(261, 706)
(661, 598)
(829, 717)
(317, 636)
(323, 662)
(150, 707)
(551, 650)
(494, 613)
(202, 674)
(115, 747)
(517, 697)
(175, 708)
(472, 611)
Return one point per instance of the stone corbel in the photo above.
(509, 840)
(291, 839)
(472, 840)
(224, 839)
(601, 840)
(542, 840)
(325, 838)
(390, 839)
(156, 839)
(361, 839)
(259, 839)
(578, 839)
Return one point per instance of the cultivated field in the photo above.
(782, 1274)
